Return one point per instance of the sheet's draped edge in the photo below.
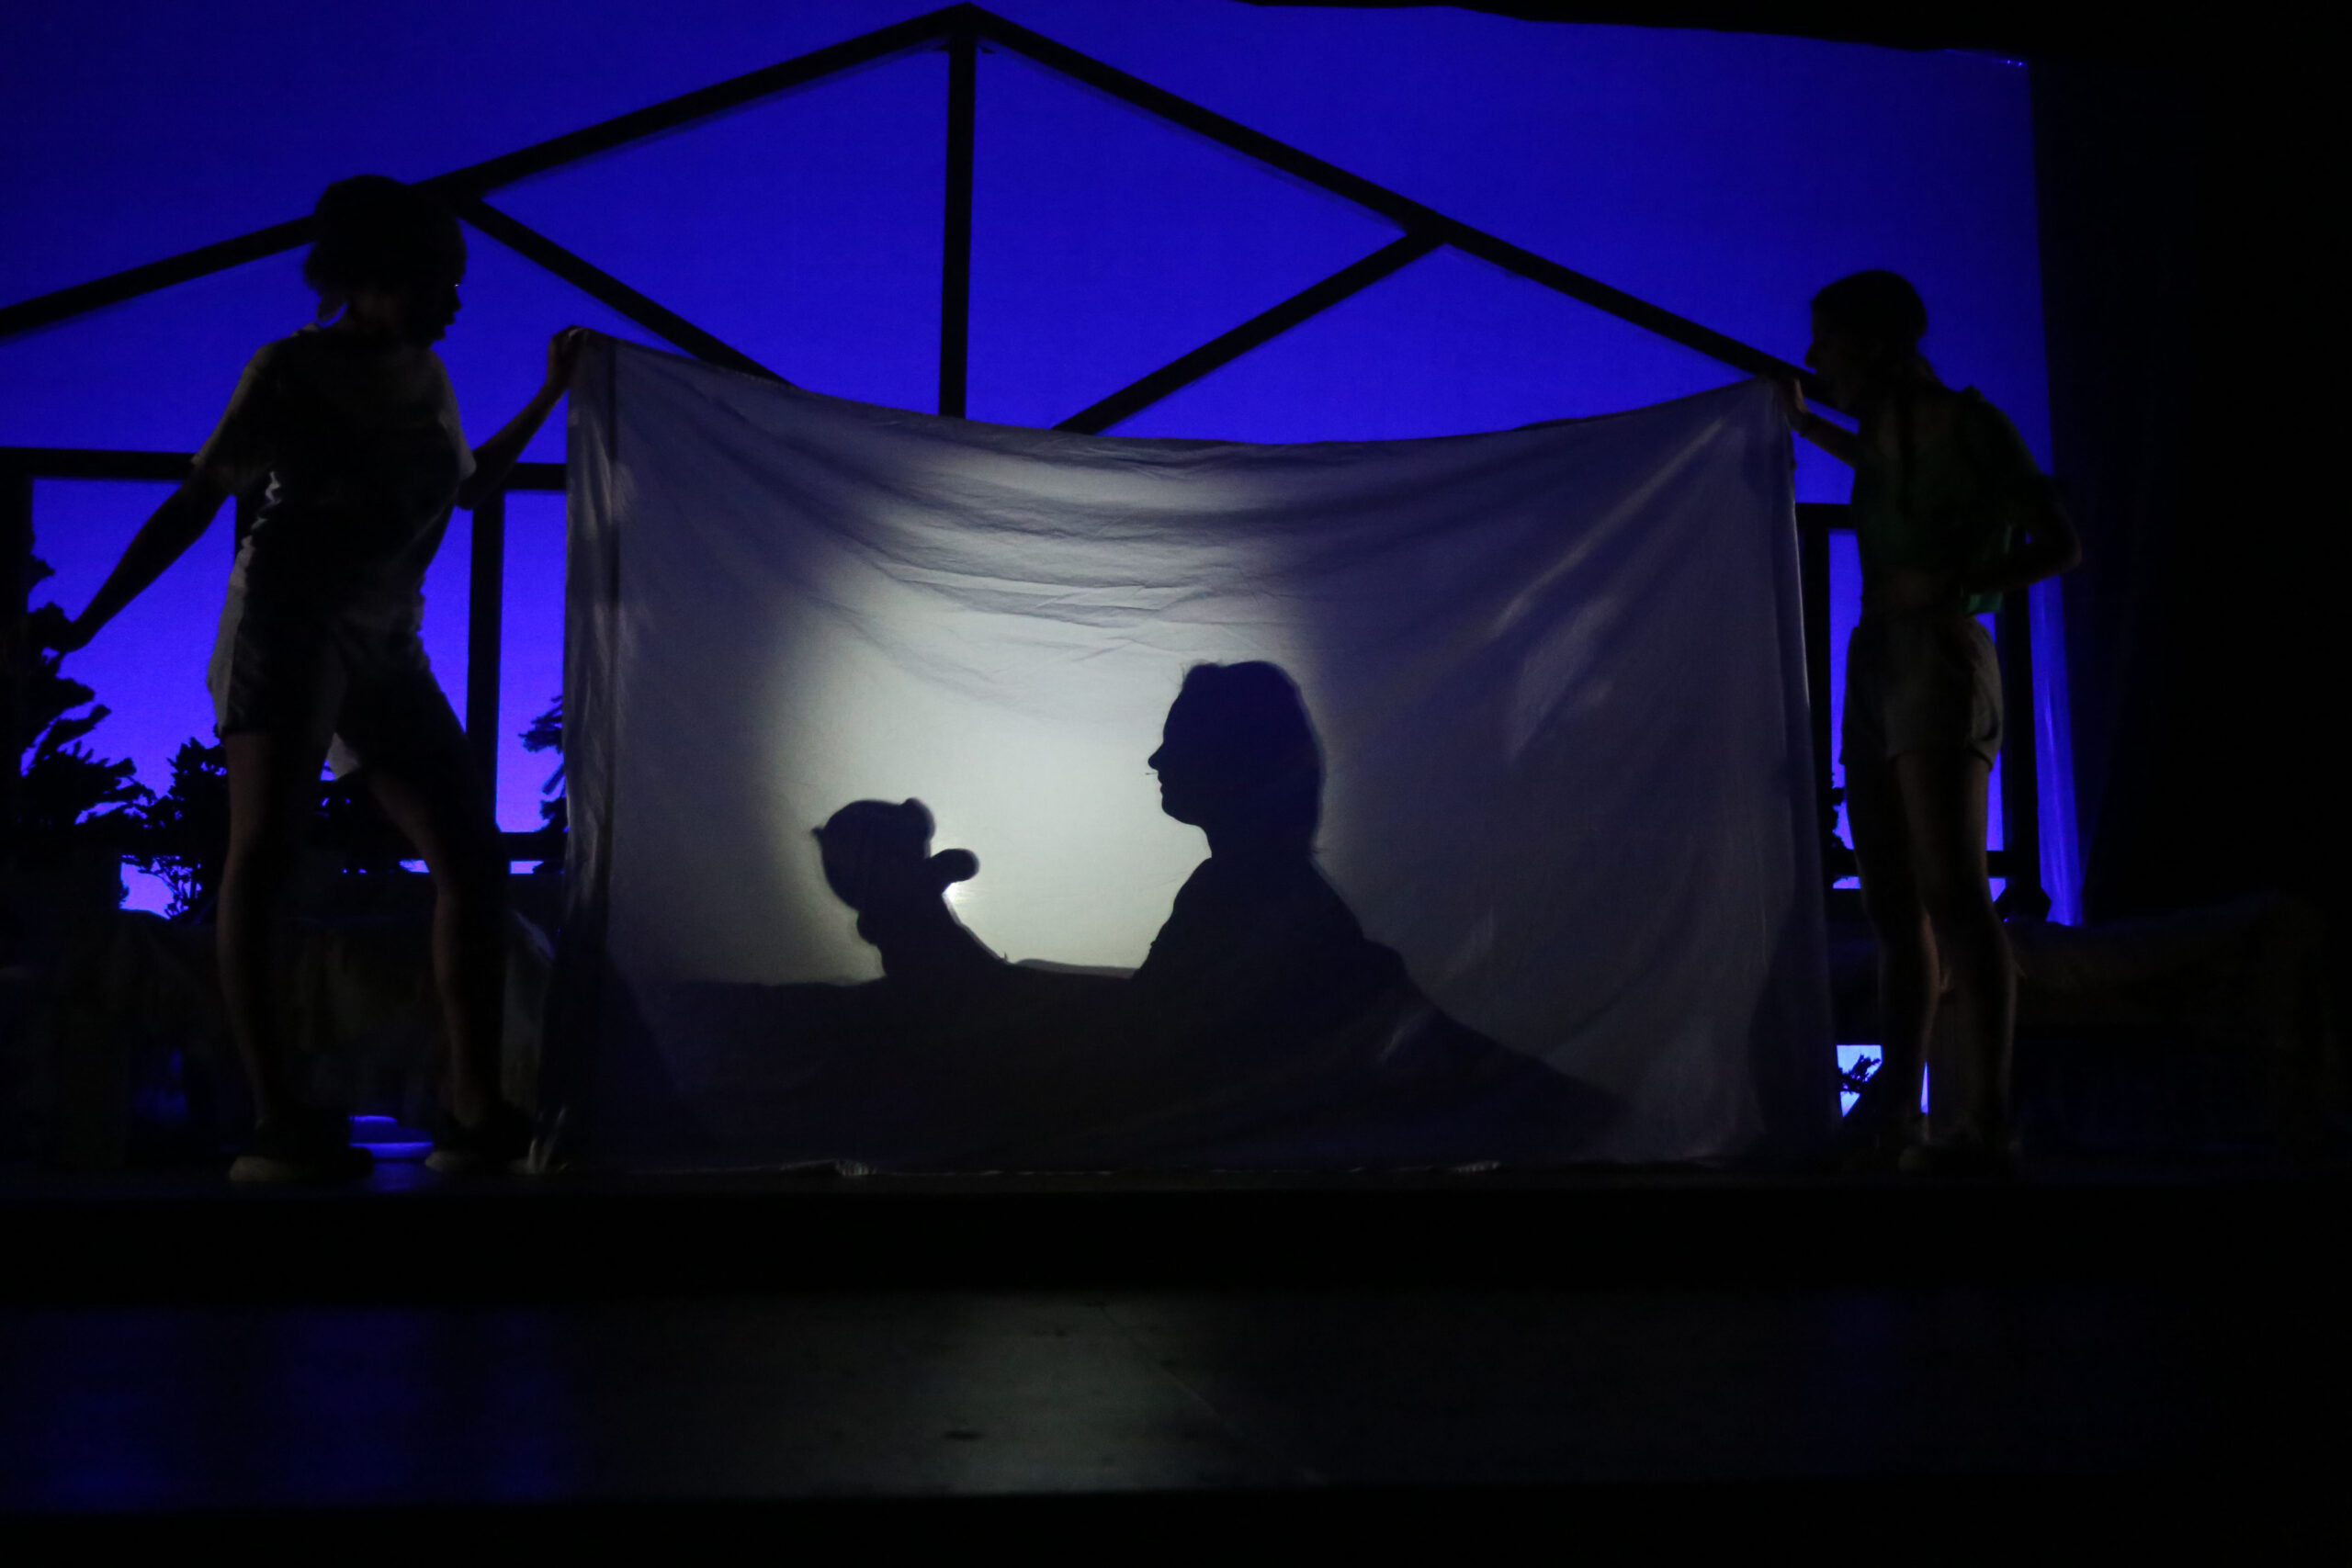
(590, 600)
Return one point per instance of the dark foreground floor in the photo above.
(1645, 1362)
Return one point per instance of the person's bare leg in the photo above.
(1908, 979)
(440, 806)
(273, 789)
(1944, 807)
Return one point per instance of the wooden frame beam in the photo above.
(476, 180)
(956, 229)
(673, 114)
(96, 463)
(1814, 523)
(1136, 396)
(1402, 211)
(16, 656)
(2020, 765)
(485, 626)
(170, 467)
(607, 290)
(63, 304)
(964, 25)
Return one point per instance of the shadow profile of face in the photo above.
(877, 856)
(1238, 759)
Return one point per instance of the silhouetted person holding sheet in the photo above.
(1950, 513)
(353, 427)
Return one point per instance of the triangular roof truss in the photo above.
(962, 29)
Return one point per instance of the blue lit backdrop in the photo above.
(1722, 175)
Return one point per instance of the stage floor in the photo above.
(1639, 1350)
(188, 1234)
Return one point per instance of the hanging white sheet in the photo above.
(1558, 676)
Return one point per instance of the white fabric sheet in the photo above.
(1557, 672)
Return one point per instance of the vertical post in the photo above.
(486, 599)
(2020, 784)
(955, 258)
(16, 649)
(1813, 585)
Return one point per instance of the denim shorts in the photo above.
(1919, 682)
(354, 680)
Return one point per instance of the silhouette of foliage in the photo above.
(183, 834)
(546, 734)
(66, 787)
(1850, 1081)
(350, 822)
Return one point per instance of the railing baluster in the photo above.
(2021, 773)
(485, 623)
(955, 246)
(15, 584)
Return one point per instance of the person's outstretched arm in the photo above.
(495, 457)
(165, 536)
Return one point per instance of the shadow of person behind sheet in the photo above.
(1264, 1031)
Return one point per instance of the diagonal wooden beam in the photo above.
(956, 229)
(1138, 396)
(961, 19)
(1402, 211)
(601, 286)
(867, 49)
(47, 310)
(475, 179)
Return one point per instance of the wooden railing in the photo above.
(2019, 860)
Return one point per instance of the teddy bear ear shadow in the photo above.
(954, 865)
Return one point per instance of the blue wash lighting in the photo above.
(387, 1140)
(806, 230)
(1850, 1057)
